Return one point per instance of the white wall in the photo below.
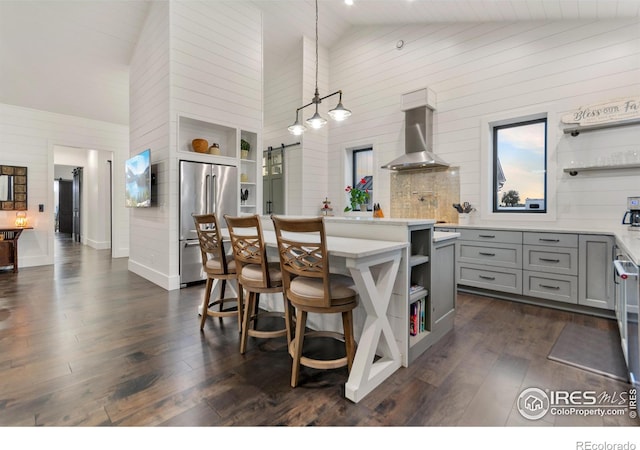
(283, 94)
(483, 69)
(149, 93)
(27, 138)
(314, 171)
(306, 165)
(202, 60)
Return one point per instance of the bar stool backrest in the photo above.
(302, 249)
(247, 246)
(211, 244)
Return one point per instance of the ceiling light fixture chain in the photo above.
(316, 121)
(317, 95)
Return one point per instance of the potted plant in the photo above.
(244, 148)
(357, 196)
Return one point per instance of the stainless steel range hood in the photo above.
(418, 138)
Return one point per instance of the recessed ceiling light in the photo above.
(348, 2)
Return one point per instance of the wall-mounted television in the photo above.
(138, 180)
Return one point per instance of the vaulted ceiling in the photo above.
(72, 57)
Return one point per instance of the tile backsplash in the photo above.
(426, 194)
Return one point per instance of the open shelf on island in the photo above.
(415, 260)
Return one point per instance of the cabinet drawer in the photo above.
(559, 260)
(496, 279)
(562, 288)
(506, 237)
(501, 255)
(551, 239)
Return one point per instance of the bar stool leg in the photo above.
(248, 313)
(349, 341)
(205, 304)
(240, 306)
(301, 321)
(222, 289)
(288, 320)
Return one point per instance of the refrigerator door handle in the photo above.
(206, 194)
(213, 194)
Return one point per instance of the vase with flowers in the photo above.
(358, 195)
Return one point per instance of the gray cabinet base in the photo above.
(599, 312)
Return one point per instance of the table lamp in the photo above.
(21, 219)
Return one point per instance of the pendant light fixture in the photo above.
(316, 121)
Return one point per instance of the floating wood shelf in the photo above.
(573, 171)
(574, 131)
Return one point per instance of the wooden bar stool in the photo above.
(217, 265)
(311, 288)
(257, 276)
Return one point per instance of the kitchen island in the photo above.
(422, 307)
(391, 290)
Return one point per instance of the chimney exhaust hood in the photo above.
(418, 133)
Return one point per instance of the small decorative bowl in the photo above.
(200, 145)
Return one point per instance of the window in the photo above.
(363, 168)
(520, 167)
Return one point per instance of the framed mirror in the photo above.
(13, 188)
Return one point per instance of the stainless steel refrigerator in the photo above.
(204, 188)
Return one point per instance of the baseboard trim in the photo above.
(170, 283)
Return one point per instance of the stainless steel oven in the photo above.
(626, 308)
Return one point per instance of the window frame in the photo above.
(484, 210)
(495, 128)
(354, 169)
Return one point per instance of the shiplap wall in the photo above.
(314, 151)
(149, 93)
(27, 138)
(282, 96)
(216, 76)
(306, 165)
(198, 59)
(483, 69)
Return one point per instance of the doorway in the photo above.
(273, 180)
(77, 204)
(64, 211)
(87, 174)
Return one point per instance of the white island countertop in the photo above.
(380, 221)
(438, 236)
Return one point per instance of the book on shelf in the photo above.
(417, 314)
(413, 319)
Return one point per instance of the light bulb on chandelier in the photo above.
(339, 113)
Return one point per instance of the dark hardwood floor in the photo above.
(85, 342)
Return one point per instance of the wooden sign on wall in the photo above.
(609, 112)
